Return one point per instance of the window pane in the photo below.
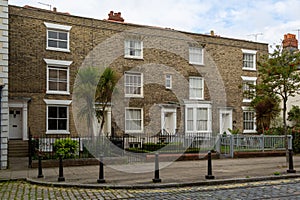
(196, 87)
(52, 124)
(62, 112)
(62, 86)
(52, 43)
(133, 83)
(63, 75)
(62, 36)
(195, 55)
(52, 112)
(62, 124)
(63, 44)
(133, 119)
(52, 74)
(52, 34)
(52, 85)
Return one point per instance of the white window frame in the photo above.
(168, 81)
(60, 64)
(127, 49)
(58, 28)
(251, 52)
(249, 109)
(57, 103)
(142, 120)
(209, 118)
(129, 73)
(196, 51)
(193, 88)
(245, 80)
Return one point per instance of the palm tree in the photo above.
(105, 88)
(84, 91)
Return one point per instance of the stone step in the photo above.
(17, 148)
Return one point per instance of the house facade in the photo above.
(4, 124)
(171, 82)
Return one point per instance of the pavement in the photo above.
(140, 175)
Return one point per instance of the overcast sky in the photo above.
(265, 20)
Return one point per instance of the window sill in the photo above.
(247, 100)
(58, 49)
(194, 98)
(58, 132)
(58, 93)
(134, 57)
(134, 96)
(249, 131)
(249, 69)
(198, 64)
(134, 132)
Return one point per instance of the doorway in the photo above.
(225, 120)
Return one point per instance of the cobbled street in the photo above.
(279, 189)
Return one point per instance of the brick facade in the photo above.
(222, 69)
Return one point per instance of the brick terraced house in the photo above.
(172, 82)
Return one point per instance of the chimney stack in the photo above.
(290, 41)
(115, 16)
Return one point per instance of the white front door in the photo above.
(168, 122)
(15, 123)
(225, 120)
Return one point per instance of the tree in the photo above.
(105, 88)
(278, 75)
(294, 115)
(84, 90)
(266, 109)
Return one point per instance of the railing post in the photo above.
(40, 170)
(262, 143)
(156, 173)
(209, 167)
(291, 165)
(30, 150)
(61, 170)
(101, 170)
(231, 146)
(218, 143)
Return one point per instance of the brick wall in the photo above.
(27, 76)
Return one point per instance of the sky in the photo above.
(263, 21)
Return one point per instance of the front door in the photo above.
(168, 121)
(225, 121)
(15, 123)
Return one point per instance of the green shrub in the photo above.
(296, 140)
(67, 148)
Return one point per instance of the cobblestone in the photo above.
(279, 189)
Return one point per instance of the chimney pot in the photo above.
(112, 16)
(290, 41)
(54, 9)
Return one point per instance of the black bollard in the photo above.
(209, 167)
(291, 165)
(40, 170)
(101, 171)
(156, 173)
(61, 170)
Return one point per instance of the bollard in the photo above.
(156, 173)
(61, 170)
(209, 167)
(101, 171)
(40, 170)
(291, 165)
